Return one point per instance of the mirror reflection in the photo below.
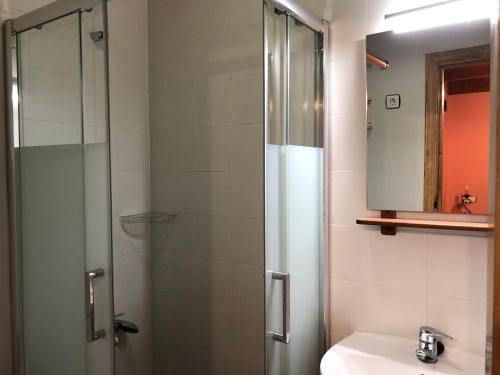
(429, 119)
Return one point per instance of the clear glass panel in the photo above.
(63, 199)
(303, 78)
(50, 84)
(294, 185)
(277, 82)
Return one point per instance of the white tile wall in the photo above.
(130, 178)
(381, 283)
(206, 108)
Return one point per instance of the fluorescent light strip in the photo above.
(441, 14)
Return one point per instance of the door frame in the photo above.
(435, 63)
(11, 27)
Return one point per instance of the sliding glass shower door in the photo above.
(60, 193)
(294, 194)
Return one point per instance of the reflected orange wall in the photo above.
(465, 150)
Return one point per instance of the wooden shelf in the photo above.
(429, 224)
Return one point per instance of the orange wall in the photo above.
(465, 150)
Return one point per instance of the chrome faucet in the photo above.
(430, 345)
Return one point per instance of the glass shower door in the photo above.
(294, 192)
(61, 163)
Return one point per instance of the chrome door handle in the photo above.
(92, 334)
(284, 336)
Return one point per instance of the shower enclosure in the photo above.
(295, 51)
(59, 189)
(221, 250)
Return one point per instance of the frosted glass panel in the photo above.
(294, 245)
(276, 254)
(53, 259)
(304, 204)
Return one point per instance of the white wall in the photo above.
(206, 100)
(130, 176)
(381, 283)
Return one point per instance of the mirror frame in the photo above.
(493, 302)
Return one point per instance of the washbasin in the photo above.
(376, 354)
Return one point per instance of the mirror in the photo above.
(428, 119)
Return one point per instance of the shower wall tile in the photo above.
(246, 148)
(213, 104)
(213, 238)
(183, 240)
(247, 194)
(214, 324)
(129, 150)
(248, 332)
(247, 237)
(183, 145)
(131, 189)
(206, 158)
(230, 102)
(244, 13)
(173, 108)
(247, 50)
(206, 280)
(136, 31)
(247, 292)
(132, 274)
(213, 149)
(214, 190)
(133, 75)
(129, 109)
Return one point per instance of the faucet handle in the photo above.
(426, 332)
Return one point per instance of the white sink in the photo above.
(375, 354)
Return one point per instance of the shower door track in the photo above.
(301, 14)
(48, 13)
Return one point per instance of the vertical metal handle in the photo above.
(284, 336)
(92, 334)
